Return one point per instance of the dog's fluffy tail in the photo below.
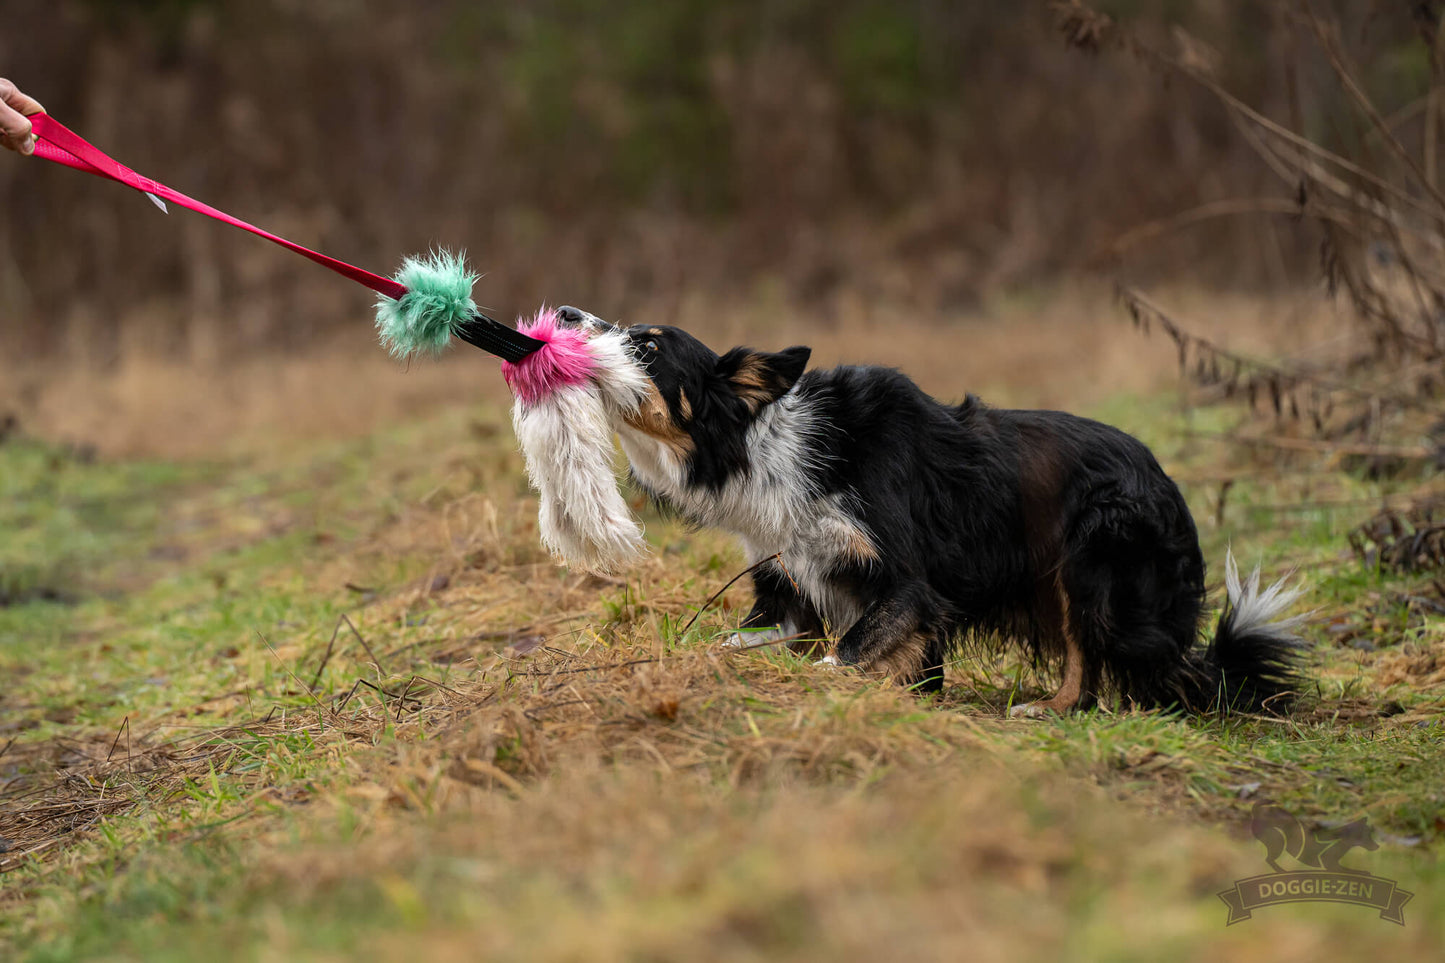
(1252, 663)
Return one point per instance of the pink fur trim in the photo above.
(564, 360)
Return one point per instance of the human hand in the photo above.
(14, 127)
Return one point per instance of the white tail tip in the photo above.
(1256, 610)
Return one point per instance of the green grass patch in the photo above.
(339, 704)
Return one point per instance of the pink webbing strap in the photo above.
(56, 142)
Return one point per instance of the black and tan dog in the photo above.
(906, 526)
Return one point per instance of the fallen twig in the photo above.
(718, 594)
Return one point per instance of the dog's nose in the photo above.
(572, 317)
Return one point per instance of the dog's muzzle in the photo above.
(570, 317)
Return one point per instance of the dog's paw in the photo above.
(831, 661)
(752, 640)
(1029, 710)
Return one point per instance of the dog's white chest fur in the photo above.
(774, 507)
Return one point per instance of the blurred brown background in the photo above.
(833, 162)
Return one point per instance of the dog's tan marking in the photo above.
(754, 383)
(1073, 685)
(904, 660)
(684, 405)
(858, 547)
(654, 420)
(655, 332)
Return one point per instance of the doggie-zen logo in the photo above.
(1326, 882)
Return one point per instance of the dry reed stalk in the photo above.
(1382, 230)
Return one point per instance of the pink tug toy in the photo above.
(569, 392)
(565, 358)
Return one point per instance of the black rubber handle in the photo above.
(509, 344)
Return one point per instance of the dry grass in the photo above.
(613, 799)
(496, 755)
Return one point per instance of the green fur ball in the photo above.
(438, 298)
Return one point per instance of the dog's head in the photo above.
(700, 404)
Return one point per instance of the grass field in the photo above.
(332, 702)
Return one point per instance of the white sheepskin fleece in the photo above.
(566, 439)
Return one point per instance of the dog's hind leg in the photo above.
(1072, 690)
(898, 636)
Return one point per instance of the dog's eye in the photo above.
(651, 346)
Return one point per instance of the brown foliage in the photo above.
(1379, 215)
(920, 157)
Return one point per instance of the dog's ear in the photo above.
(760, 377)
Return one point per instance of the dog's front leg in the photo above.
(899, 636)
(779, 612)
